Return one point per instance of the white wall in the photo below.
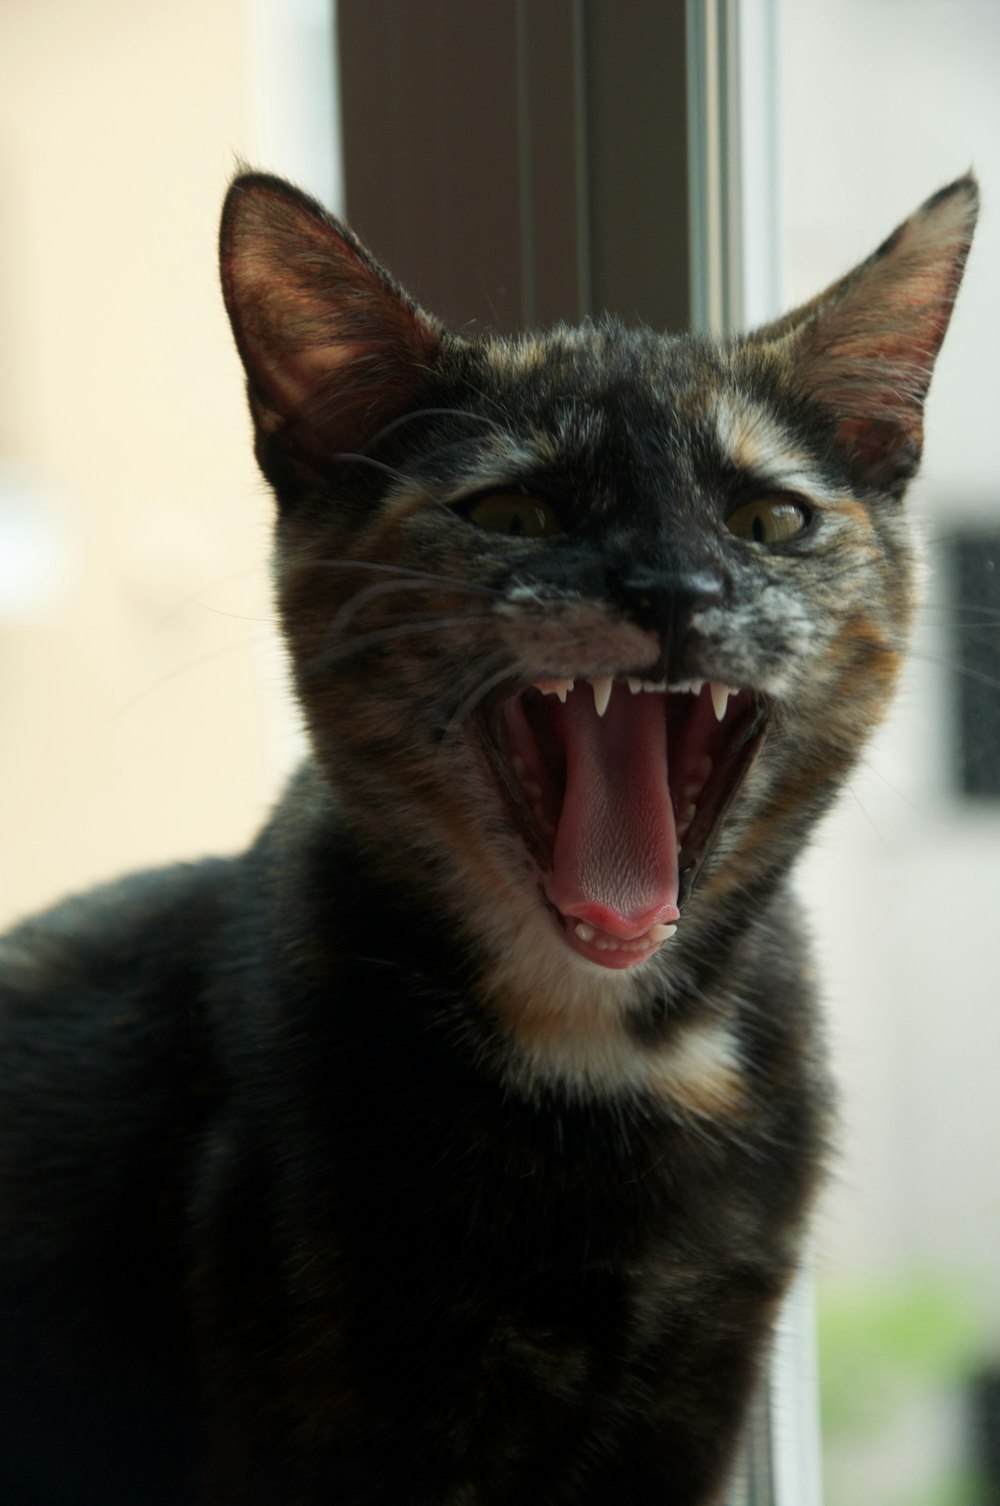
(881, 102)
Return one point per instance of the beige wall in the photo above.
(138, 707)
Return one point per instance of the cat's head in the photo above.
(588, 625)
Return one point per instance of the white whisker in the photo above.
(412, 627)
(466, 708)
(354, 604)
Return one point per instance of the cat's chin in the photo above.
(618, 789)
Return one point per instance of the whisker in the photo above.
(406, 418)
(498, 656)
(194, 599)
(351, 457)
(927, 658)
(853, 794)
(353, 605)
(469, 704)
(182, 669)
(870, 767)
(444, 450)
(470, 588)
(410, 628)
(203, 606)
(961, 606)
(489, 398)
(955, 664)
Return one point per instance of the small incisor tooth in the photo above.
(602, 693)
(561, 688)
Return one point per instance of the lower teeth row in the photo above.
(652, 938)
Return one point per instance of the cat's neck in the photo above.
(533, 1015)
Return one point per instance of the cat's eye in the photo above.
(768, 520)
(516, 514)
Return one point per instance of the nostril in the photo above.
(665, 602)
(673, 593)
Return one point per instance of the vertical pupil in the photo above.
(516, 521)
(757, 529)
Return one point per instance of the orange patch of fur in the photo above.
(698, 1074)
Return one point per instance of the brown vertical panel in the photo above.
(551, 45)
(637, 148)
(521, 161)
(429, 98)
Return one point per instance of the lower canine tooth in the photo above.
(585, 932)
(660, 933)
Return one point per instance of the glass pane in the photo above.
(880, 103)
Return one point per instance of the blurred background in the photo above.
(521, 160)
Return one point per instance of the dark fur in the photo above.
(329, 1175)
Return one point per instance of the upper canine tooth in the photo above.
(720, 698)
(602, 693)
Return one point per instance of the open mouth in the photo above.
(618, 788)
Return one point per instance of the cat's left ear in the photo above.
(865, 349)
(332, 347)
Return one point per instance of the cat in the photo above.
(455, 1145)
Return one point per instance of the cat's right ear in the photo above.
(332, 347)
(864, 350)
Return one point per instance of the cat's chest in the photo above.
(469, 1182)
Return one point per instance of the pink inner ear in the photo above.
(327, 338)
(880, 448)
(291, 379)
(864, 350)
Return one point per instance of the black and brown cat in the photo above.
(454, 1145)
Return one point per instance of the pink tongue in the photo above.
(615, 861)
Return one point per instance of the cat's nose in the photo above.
(665, 602)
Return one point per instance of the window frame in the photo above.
(632, 169)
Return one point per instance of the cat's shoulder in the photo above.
(139, 938)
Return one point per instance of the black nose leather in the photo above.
(665, 602)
